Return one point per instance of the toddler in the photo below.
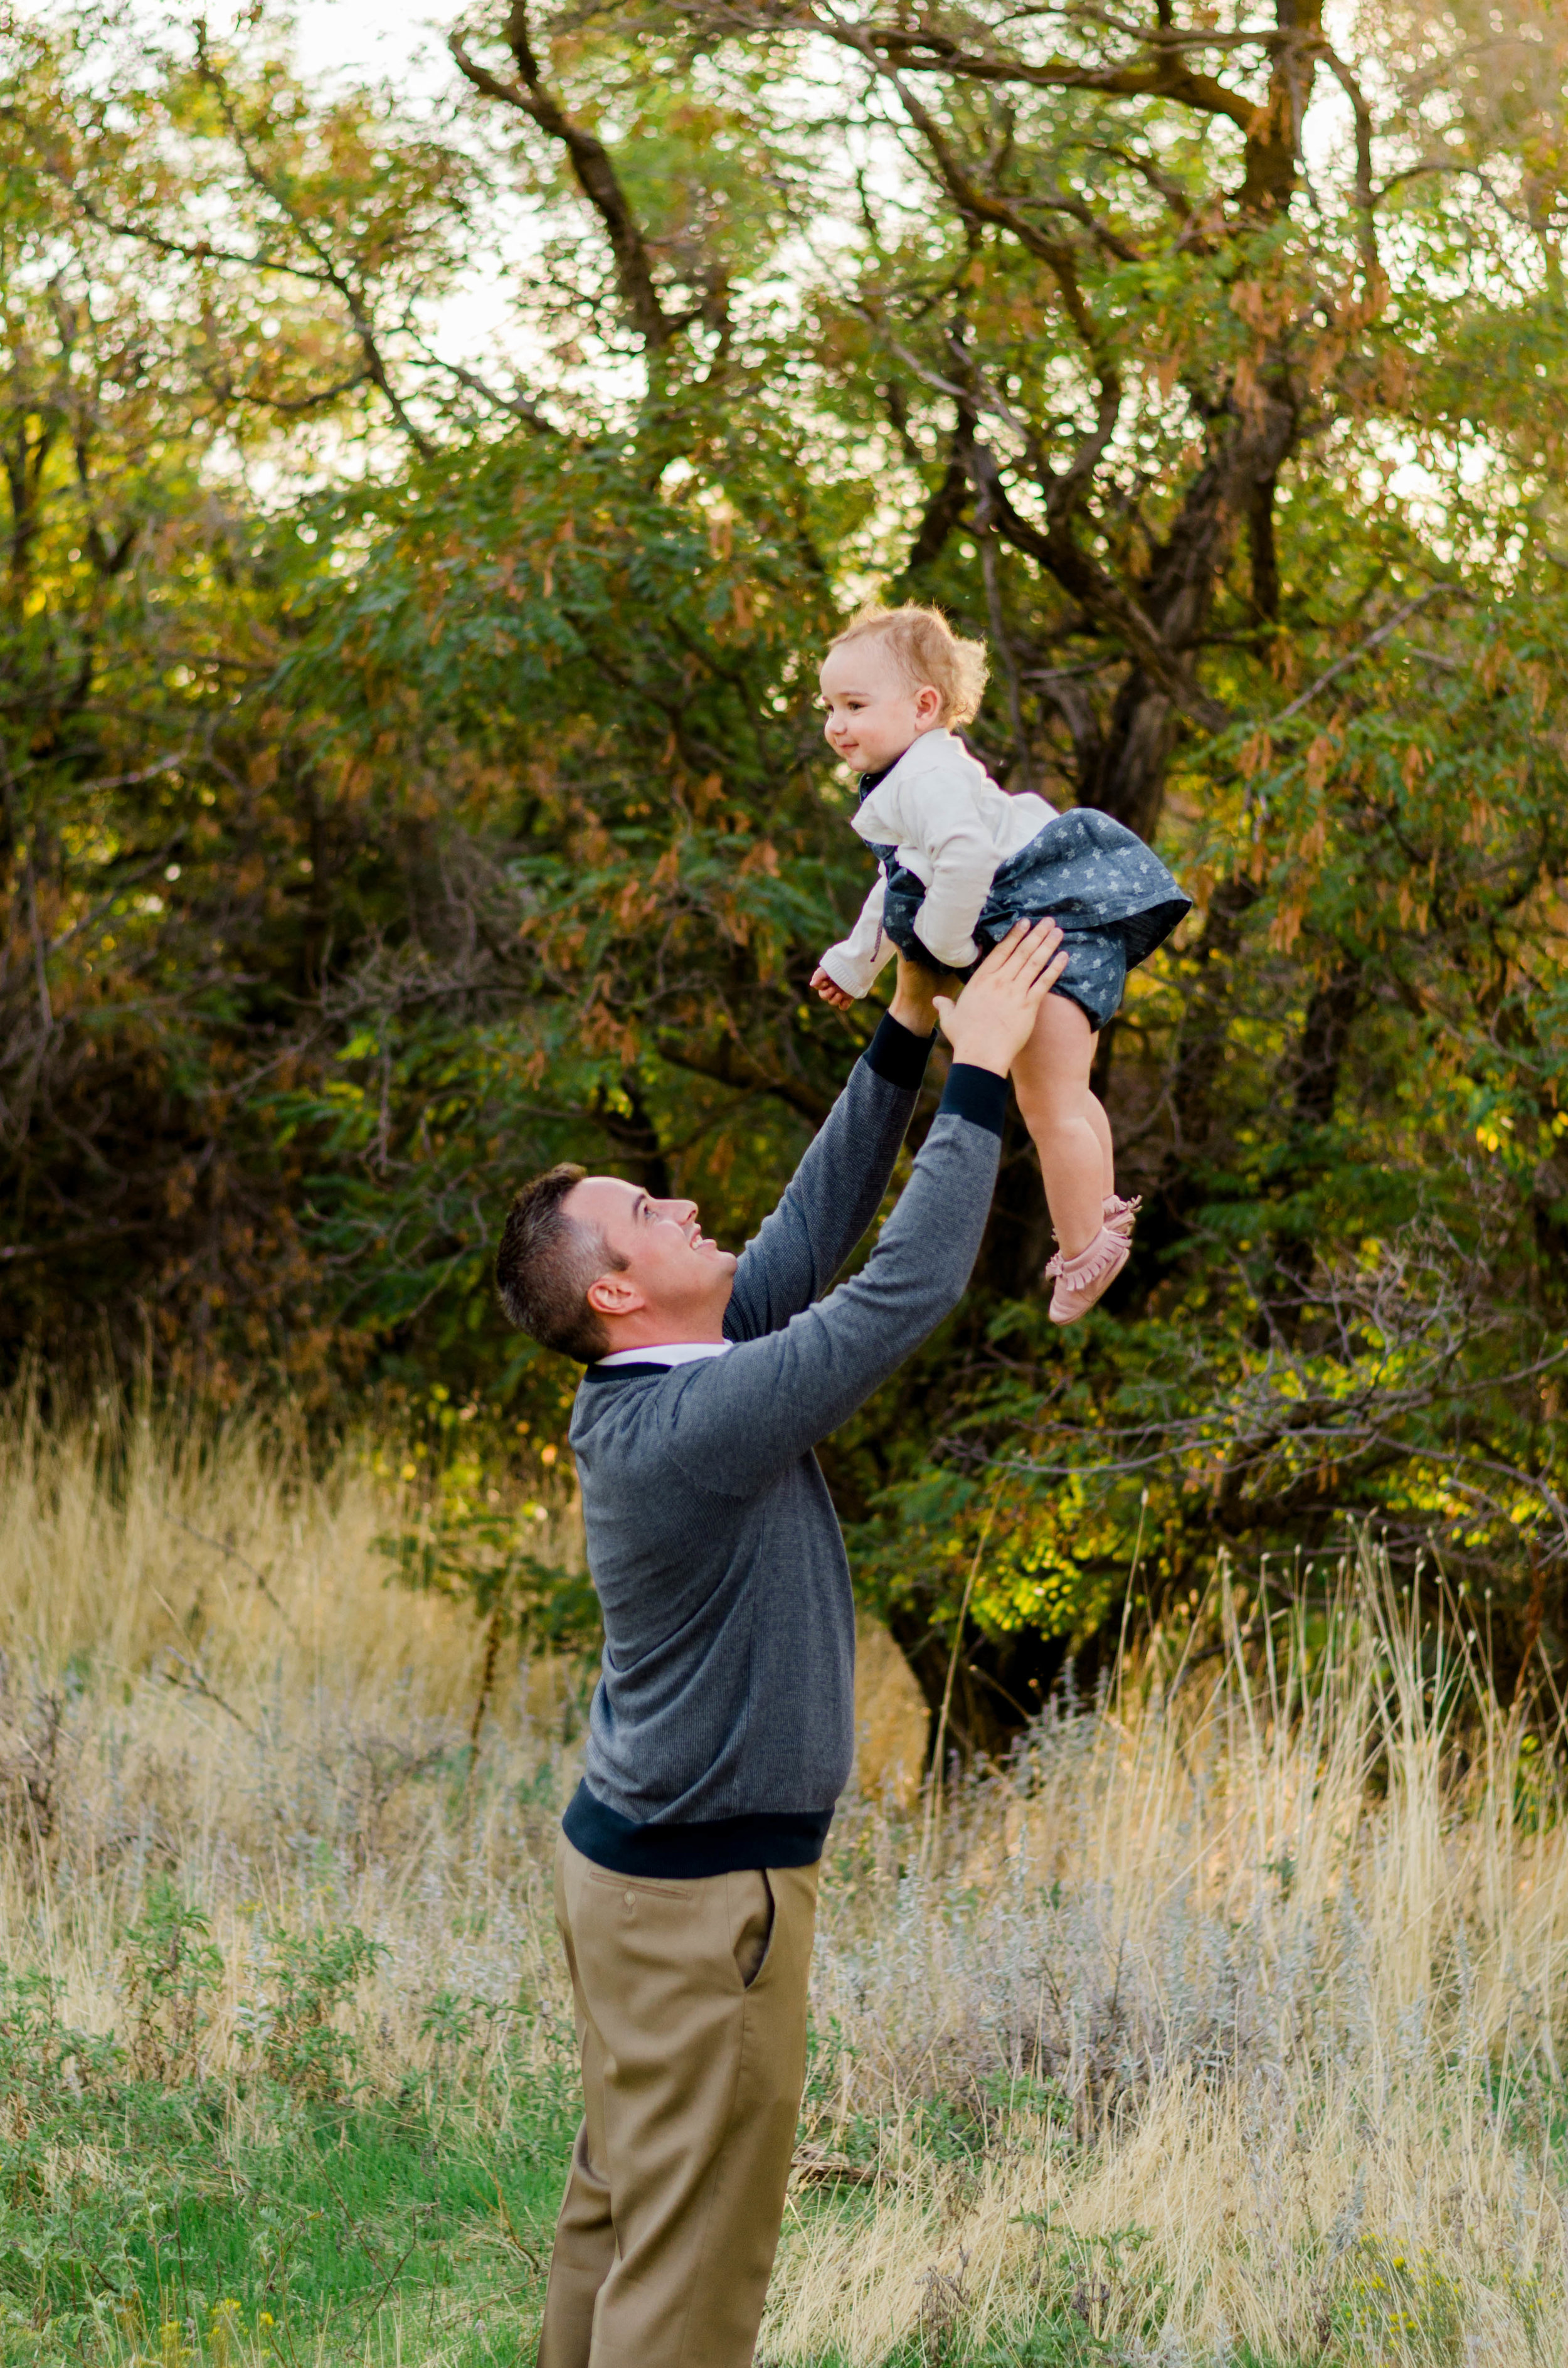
(959, 862)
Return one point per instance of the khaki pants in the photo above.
(692, 2018)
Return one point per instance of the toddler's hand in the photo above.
(830, 990)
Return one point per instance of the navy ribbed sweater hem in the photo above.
(686, 1853)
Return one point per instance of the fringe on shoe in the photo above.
(1081, 1281)
(1120, 1216)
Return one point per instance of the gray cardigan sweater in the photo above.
(721, 1729)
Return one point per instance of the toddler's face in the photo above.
(873, 715)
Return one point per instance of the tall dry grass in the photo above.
(207, 1672)
(1253, 1971)
(1225, 2023)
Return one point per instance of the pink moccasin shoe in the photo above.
(1081, 1281)
(1120, 1216)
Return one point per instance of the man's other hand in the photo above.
(994, 1019)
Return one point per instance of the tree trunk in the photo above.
(1128, 780)
(1200, 1051)
(636, 1137)
(1326, 1033)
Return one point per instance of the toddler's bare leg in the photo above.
(1101, 1126)
(1070, 1132)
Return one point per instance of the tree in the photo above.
(1200, 366)
(159, 909)
(1148, 369)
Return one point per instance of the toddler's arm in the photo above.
(944, 820)
(853, 963)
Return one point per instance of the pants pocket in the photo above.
(755, 1936)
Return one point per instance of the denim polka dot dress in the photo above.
(1113, 899)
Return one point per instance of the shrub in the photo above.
(309, 1977)
(170, 1966)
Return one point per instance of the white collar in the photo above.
(672, 1352)
(941, 752)
(925, 748)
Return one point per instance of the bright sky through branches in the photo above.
(397, 39)
(404, 42)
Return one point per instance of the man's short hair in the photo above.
(547, 1263)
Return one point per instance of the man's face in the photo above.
(673, 1277)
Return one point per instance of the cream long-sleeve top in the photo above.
(952, 826)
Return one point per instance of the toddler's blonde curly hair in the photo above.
(926, 650)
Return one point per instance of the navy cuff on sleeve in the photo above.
(975, 1094)
(897, 1054)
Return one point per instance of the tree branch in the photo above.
(981, 205)
(1366, 200)
(518, 405)
(199, 250)
(733, 1067)
(591, 164)
(946, 506)
(924, 51)
(1088, 583)
(1354, 658)
(359, 319)
(1062, 487)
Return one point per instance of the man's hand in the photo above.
(993, 1018)
(830, 990)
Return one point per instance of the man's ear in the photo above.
(613, 1294)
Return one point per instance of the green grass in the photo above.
(288, 2212)
(294, 2214)
(348, 2220)
(291, 2216)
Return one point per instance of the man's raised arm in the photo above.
(838, 1185)
(742, 1418)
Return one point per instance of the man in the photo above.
(723, 1727)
